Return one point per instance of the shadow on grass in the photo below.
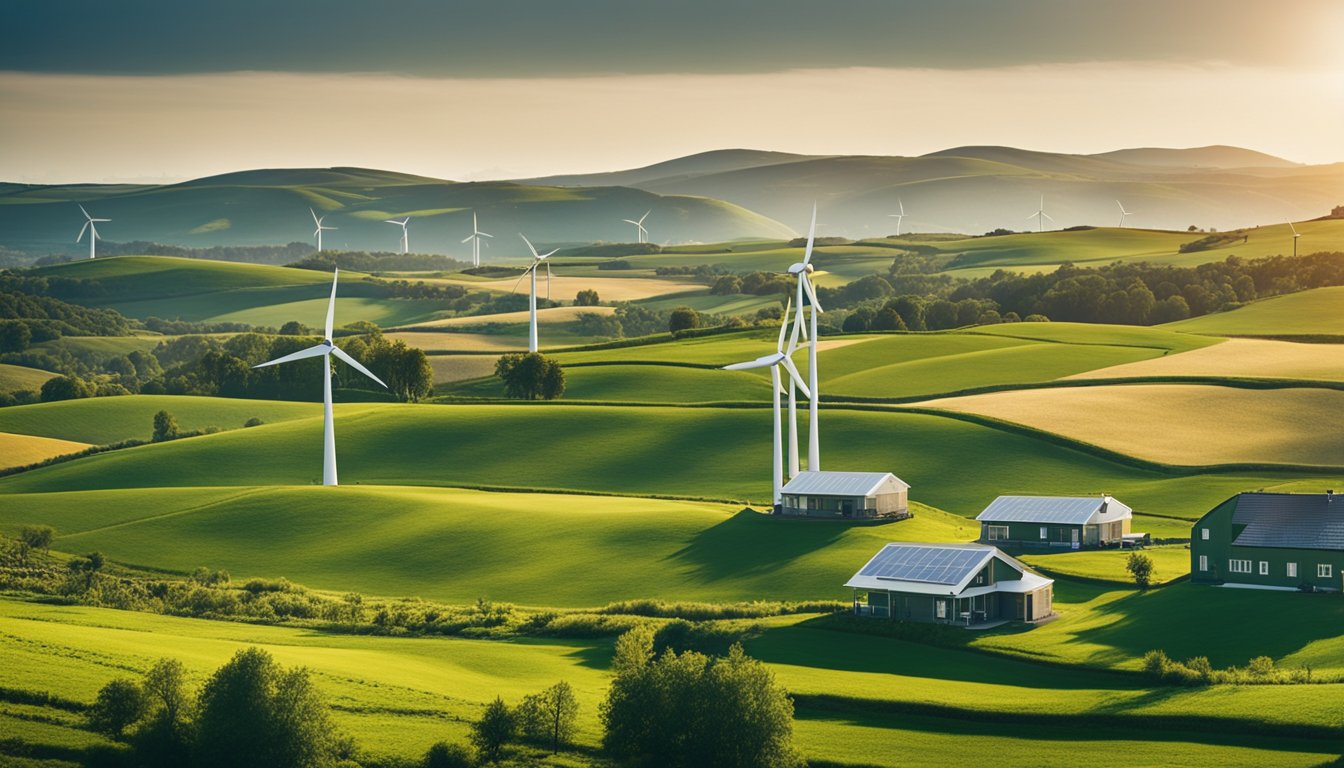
(750, 542)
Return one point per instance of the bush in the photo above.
(120, 703)
(165, 427)
(253, 422)
(549, 717)
(531, 376)
(65, 388)
(494, 730)
(446, 755)
(683, 319)
(1140, 566)
(587, 298)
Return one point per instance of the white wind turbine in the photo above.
(405, 234)
(325, 350)
(808, 295)
(89, 225)
(537, 261)
(898, 216)
(1296, 235)
(1041, 215)
(641, 234)
(320, 227)
(1123, 213)
(780, 359)
(475, 239)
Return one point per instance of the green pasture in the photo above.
(106, 420)
(139, 278)
(639, 383)
(1169, 562)
(14, 378)
(1313, 312)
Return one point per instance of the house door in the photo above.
(847, 508)
(1027, 616)
(1075, 538)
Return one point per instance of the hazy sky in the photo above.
(97, 90)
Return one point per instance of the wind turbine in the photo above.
(1296, 235)
(326, 349)
(641, 234)
(1041, 215)
(475, 239)
(532, 296)
(898, 216)
(808, 295)
(1123, 213)
(780, 359)
(93, 232)
(320, 226)
(405, 234)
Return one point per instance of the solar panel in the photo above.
(931, 565)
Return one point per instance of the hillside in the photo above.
(1307, 313)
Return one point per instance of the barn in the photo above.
(1070, 522)
(846, 495)
(966, 584)
(1286, 541)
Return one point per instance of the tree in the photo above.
(683, 319)
(405, 368)
(37, 537)
(887, 320)
(65, 388)
(253, 712)
(294, 328)
(14, 336)
(530, 376)
(119, 704)
(587, 298)
(726, 285)
(1140, 566)
(494, 730)
(858, 321)
(446, 755)
(550, 715)
(165, 427)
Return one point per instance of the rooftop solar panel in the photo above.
(931, 565)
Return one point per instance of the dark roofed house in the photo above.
(1071, 522)
(967, 584)
(1271, 541)
(846, 495)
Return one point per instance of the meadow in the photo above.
(1309, 313)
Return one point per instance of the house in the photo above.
(965, 584)
(1072, 522)
(1271, 541)
(846, 495)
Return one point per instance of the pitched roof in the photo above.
(1290, 520)
(1062, 510)
(935, 569)
(842, 483)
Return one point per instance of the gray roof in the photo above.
(1290, 520)
(937, 569)
(823, 483)
(1061, 510)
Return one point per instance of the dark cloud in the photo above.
(497, 38)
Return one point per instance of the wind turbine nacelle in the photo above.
(800, 267)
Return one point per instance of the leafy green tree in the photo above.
(37, 537)
(294, 328)
(1140, 567)
(858, 321)
(550, 716)
(405, 368)
(726, 285)
(119, 704)
(887, 319)
(253, 712)
(65, 388)
(494, 730)
(683, 319)
(165, 427)
(587, 298)
(530, 376)
(446, 755)
(14, 336)
(594, 324)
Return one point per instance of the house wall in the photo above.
(892, 503)
(834, 506)
(1029, 534)
(1220, 551)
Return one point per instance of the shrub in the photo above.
(165, 427)
(446, 755)
(1140, 566)
(253, 422)
(549, 717)
(494, 730)
(120, 703)
(587, 298)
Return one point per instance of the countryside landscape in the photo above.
(770, 450)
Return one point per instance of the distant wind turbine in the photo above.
(537, 260)
(326, 349)
(475, 239)
(1296, 235)
(89, 225)
(898, 216)
(320, 227)
(1041, 215)
(807, 296)
(641, 234)
(1123, 213)
(405, 235)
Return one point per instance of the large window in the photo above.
(1324, 570)
(940, 608)
(1292, 570)
(1264, 567)
(1203, 562)
(1204, 533)
(1238, 566)
(997, 532)
(1045, 532)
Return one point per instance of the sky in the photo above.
(160, 91)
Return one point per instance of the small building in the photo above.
(1070, 522)
(966, 584)
(1271, 541)
(846, 495)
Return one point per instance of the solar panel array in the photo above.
(1290, 521)
(1060, 510)
(932, 565)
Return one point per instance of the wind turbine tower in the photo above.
(320, 227)
(89, 225)
(325, 350)
(807, 295)
(537, 260)
(405, 235)
(475, 239)
(1041, 215)
(1296, 235)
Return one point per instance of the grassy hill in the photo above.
(1308, 313)
(14, 378)
(21, 450)
(106, 420)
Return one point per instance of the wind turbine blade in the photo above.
(514, 289)
(1048, 216)
(83, 229)
(316, 220)
(392, 221)
(86, 213)
(811, 236)
(468, 238)
(760, 362)
(320, 349)
(900, 205)
(331, 303)
(797, 377)
(547, 255)
(529, 246)
(645, 216)
(1290, 226)
(631, 221)
(484, 234)
(353, 363)
(784, 326)
(99, 219)
(811, 294)
(797, 328)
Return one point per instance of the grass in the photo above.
(1169, 563)
(137, 278)
(14, 378)
(1179, 423)
(640, 383)
(1313, 312)
(21, 450)
(1240, 358)
(106, 420)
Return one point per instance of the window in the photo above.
(1203, 562)
(940, 608)
(1264, 567)
(1238, 566)
(1292, 570)
(1045, 532)
(1324, 570)
(1204, 533)
(997, 532)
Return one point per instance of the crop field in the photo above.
(1238, 358)
(546, 316)
(21, 450)
(1180, 424)
(565, 286)
(1313, 312)
(14, 378)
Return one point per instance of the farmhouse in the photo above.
(1271, 541)
(965, 584)
(1072, 522)
(846, 495)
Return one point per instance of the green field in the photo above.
(1313, 312)
(14, 378)
(1169, 563)
(106, 420)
